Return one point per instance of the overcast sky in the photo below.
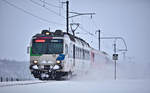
(129, 19)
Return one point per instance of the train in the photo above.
(60, 55)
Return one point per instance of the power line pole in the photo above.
(67, 16)
(115, 74)
(99, 31)
(75, 14)
(99, 38)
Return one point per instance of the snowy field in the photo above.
(14, 69)
(106, 86)
(132, 77)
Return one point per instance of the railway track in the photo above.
(20, 83)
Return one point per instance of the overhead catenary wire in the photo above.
(83, 29)
(47, 3)
(46, 8)
(94, 23)
(86, 31)
(23, 10)
(29, 13)
(52, 5)
(40, 18)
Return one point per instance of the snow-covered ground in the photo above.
(132, 77)
(107, 86)
(77, 86)
(14, 69)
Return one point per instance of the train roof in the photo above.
(59, 33)
(74, 38)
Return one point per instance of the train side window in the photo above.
(88, 55)
(70, 49)
(76, 53)
(80, 53)
(83, 54)
(66, 49)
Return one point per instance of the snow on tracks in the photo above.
(16, 83)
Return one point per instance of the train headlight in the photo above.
(35, 61)
(47, 33)
(58, 61)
